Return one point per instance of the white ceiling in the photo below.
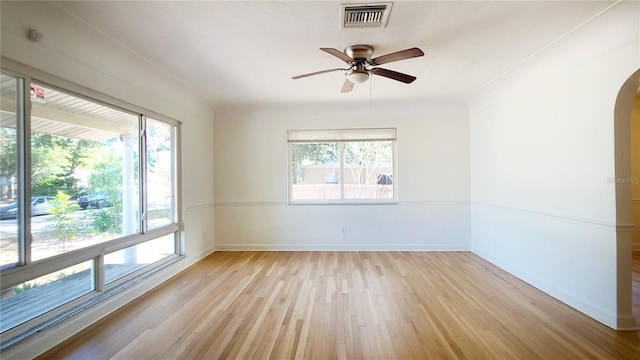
(247, 52)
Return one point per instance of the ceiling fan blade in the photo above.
(316, 73)
(347, 86)
(398, 55)
(339, 54)
(393, 75)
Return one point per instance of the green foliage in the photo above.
(8, 151)
(364, 158)
(316, 153)
(76, 152)
(8, 158)
(45, 158)
(50, 184)
(158, 214)
(66, 227)
(46, 185)
(24, 287)
(63, 274)
(159, 135)
(54, 160)
(312, 153)
(107, 177)
(108, 220)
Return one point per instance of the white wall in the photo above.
(542, 165)
(538, 144)
(433, 180)
(75, 52)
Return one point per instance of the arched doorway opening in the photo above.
(624, 207)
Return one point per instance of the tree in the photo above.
(363, 159)
(312, 153)
(8, 160)
(45, 159)
(107, 174)
(107, 177)
(66, 227)
(55, 160)
(76, 152)
(158, 155)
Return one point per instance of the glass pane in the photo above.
(315, 171)
(121, 263)
(85, 156)
(159, 174)
(9, 247)
(368, 170)
(32, 298)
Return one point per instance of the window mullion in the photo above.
(341, 151)
(174, 182)
(143, 174)
(394, 171)
(99, 272)
(23, 103)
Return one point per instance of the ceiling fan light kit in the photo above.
(361, 65)
(358, 75)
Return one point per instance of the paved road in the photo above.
(43, 223)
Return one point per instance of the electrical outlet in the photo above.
(343, 230)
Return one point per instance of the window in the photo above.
(338, 166)
(45, 293)
(83, 154)
(10, 87)
(88, 200)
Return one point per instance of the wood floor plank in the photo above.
(348, 305)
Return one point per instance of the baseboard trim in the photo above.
(342, 247)
(601, 315)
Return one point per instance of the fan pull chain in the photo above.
(370, 91)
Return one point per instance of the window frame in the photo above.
(26, 270)
(342, 136)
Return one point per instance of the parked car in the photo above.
(96, 200)
(40, 205)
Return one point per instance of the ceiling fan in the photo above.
(361, 65)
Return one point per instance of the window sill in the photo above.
(343, 202)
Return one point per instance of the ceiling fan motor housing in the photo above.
(359, 52)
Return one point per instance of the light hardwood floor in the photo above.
(347, 305)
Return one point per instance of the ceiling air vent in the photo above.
(365, 15)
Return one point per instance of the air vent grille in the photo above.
(363, 15)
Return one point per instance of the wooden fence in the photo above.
(332, 191)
